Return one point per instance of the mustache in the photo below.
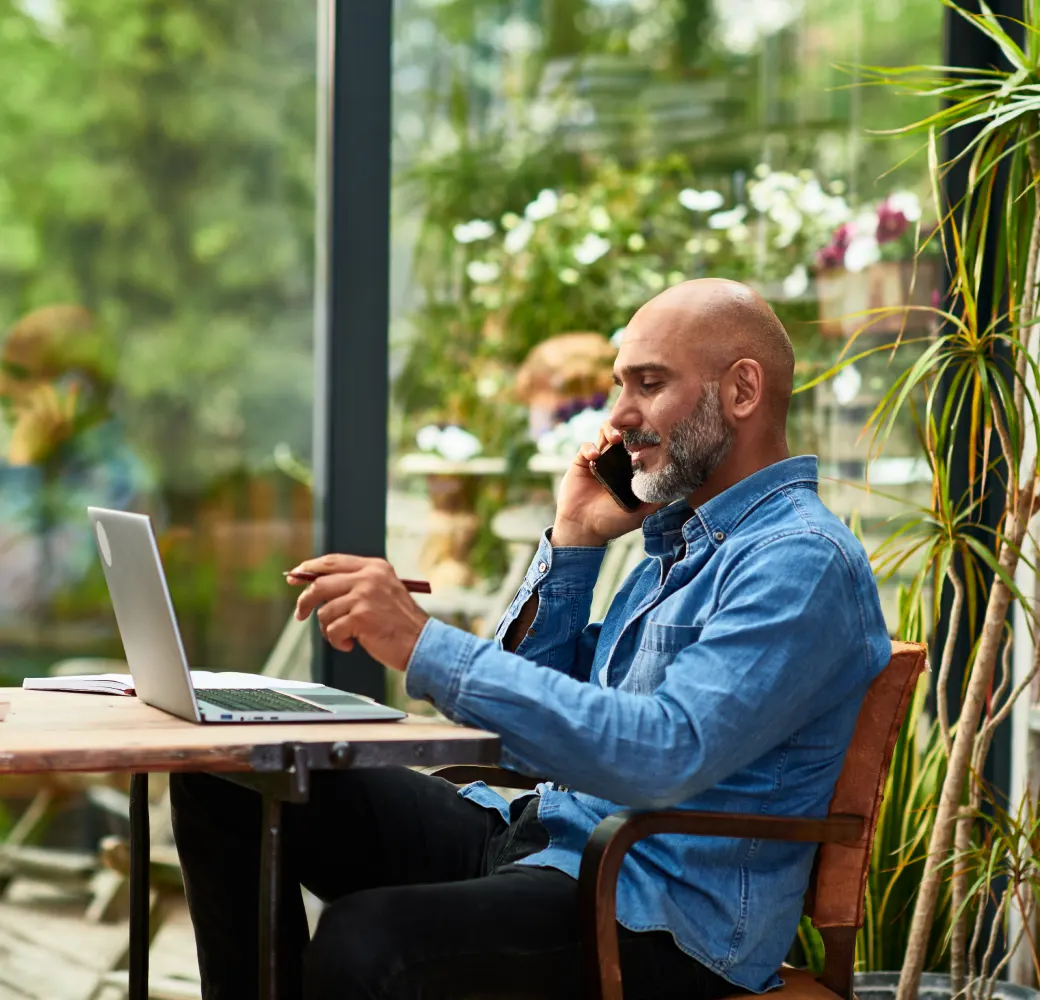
(639, 439)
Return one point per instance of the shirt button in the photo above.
(542, 567)
(719, 536)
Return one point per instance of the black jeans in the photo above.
(423, 898)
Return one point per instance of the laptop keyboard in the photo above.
(254, 700)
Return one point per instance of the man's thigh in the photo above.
(375, 827)
(360, 828)
(514, 934)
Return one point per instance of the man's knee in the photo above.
(360, 948)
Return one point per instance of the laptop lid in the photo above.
(144, 611)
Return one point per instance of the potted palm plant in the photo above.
(974, 375)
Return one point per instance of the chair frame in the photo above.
(849, 833)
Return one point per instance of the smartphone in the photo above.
(613, 469)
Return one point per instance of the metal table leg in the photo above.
(291, 782)
(270, 881)
(140, 889)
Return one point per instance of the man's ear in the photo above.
(745, 395)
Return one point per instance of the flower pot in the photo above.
(934, 986)
(845, 297)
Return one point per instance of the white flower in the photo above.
(845, 385)
(865, 224)
(427, 437)
(835, 211)
(796, 283)
(487, 386)
(738, 233)
(599, 218)
(789, 219)
(565, 439)
(509, 220)
(836, 187)
(727, 220)
(458, 445)
(811, 199)
(590, 249)
(518, 237)
(636, 242)
(700, 201)
(762, 170)
(470, 232)
(762, 196)
(482, 271)
(543, 206)
(615, 337)
(569, 276)
(862, 252)
(907, 203)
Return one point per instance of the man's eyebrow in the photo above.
(649, 368)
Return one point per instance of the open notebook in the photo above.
(124, 683)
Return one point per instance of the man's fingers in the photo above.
(608, 435)
(334, 609)
(341, 633)
(587, 453)
(336, 563)
(326, 588)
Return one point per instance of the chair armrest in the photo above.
(614, 837)
(463, 774)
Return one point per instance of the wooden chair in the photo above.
(834, 900)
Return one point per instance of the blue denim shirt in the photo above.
(727, 675)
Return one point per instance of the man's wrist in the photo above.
(568, 535)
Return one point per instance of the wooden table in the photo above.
(47, 731)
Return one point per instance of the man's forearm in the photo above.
(521, 624)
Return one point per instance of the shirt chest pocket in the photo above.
(660, 644)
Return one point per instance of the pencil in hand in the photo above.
(412, 586)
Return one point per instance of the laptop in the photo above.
(155, 653)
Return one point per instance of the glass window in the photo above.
(557, 164)
(156, 276)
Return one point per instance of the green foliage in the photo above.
(974, 380)
(156, 166)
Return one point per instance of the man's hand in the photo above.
(586, 514)
(362, 600)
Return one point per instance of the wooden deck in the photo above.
(50, 950)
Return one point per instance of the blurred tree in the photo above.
(156, 166)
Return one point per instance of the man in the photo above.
(727, 675)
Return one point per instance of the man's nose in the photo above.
(625, 415)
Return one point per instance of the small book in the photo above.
(124, 683)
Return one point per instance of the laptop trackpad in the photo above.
(330, 699)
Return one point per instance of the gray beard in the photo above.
(697, 445)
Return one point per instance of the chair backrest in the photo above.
(835, 898)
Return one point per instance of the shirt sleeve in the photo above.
(560, 636)
(781, 648)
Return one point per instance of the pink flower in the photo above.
(833, 255)
(891, 223)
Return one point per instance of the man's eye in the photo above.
(649, 386)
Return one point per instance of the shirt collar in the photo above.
(722, 513)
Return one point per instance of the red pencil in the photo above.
(412, 586)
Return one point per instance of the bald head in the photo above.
(712, 323)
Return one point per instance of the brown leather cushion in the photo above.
(798, 985)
